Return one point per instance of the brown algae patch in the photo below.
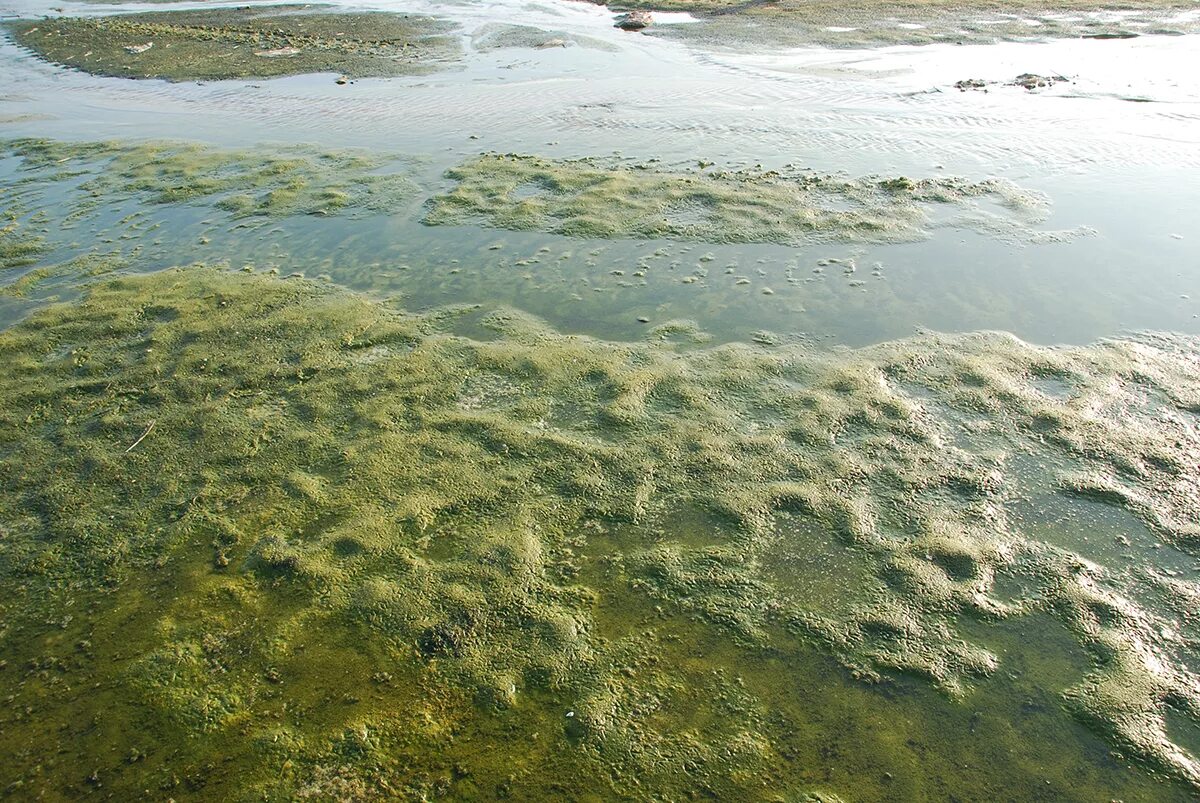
(234, 474)
(608, 199)
(260, 42)
(263, 182)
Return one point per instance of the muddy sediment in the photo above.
(483, 523)
(730, 23)
(260, 42)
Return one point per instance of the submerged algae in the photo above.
(260, 183)
(18, 247)
(595, 198)
(260, 42)
(318, 464)
(45, 281)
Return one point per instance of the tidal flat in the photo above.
(610, 417)
(248, 42)
(887, 23)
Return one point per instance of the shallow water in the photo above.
(1125, 170)
(696, 675)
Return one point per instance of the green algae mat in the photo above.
(266, 538)
(262, 538)
(253, 183)
(258, 42)
(18, 247)
(246, 190)
(600, 198)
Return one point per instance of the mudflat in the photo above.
(259, 42)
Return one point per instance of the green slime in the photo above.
(265, 538)
(244, 183)
(606, 199)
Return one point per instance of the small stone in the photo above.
(634, 21)
(1031, 81)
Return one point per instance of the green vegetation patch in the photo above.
(258, 42)
(47, 281)
(18, 247)
(245, 183)
(595, 198)
(260, 518)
